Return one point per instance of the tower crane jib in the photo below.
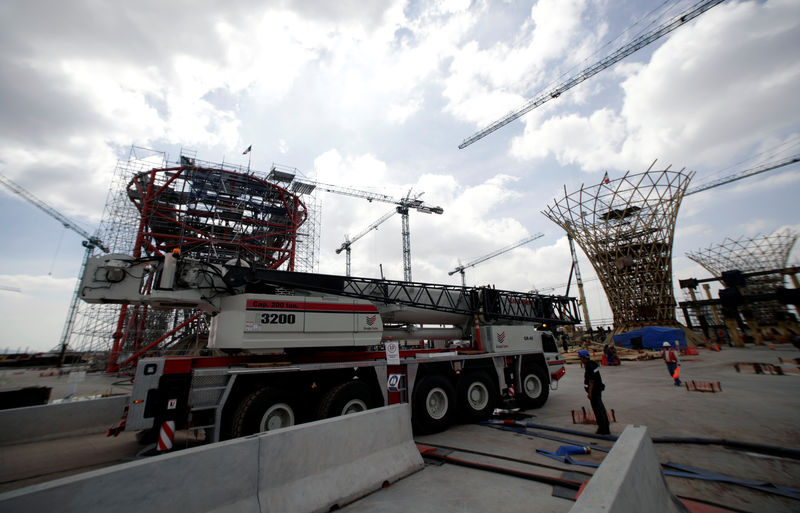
(619, 54)
(89, 243)
(461, 268)
(744, 174)
(403, 206)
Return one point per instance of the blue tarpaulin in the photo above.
(652, 337)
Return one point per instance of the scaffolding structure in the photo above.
(750, 255)
(217, 213)
(626, 227)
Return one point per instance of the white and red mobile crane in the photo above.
(290, 347)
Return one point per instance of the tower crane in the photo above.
(461, 268)
(348, 241)
(403, 206)
(744, 174)
(616, 56)
(90, 242)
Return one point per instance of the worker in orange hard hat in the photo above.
(670, 355)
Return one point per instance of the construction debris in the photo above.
(703, 386)
(760, 368)
(584, 417)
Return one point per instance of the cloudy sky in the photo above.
(379, 98)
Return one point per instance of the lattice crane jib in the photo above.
(90, 243)
(461, 268)
(402, 208)
(626, 228)
(348, 242)
(620, 53)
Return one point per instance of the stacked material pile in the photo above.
(596, 350)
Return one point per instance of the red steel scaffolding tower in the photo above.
(216, 213)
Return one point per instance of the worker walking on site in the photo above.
(670, 355)
(594, 386)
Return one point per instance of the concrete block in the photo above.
(335, 461)
(50, 421)
(217, 478)
(629, 480)
(304, 468)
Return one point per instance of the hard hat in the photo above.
(583, 353)
(666, 344)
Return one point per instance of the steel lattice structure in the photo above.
(752, 254)
(217, 213)
(626, 227)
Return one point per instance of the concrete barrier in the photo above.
(322, 467)
(306, 468)
(49, 421)
(629, 480)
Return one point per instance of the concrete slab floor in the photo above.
(754, 408)
(72, 381)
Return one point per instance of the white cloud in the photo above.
(573, 139)
(696, 100)
(34, 317)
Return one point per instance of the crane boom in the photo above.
(461, 268)
(58, 216)
(763, 168)
(619, 54)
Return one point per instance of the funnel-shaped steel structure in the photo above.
(626, 227)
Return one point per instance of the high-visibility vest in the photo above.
(670, 356)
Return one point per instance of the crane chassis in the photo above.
(288, 347)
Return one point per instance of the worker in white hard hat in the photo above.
(670, 355)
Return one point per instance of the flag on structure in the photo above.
(605, 176)
(245, 152)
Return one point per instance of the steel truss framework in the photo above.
(752, 254)
(217, 213)
(626, 227)
(488, 303)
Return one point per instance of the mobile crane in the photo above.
(290, 347)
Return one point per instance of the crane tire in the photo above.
(433, 405)
(265, 409)
(477, 396)
(348, 397)
(534, 387)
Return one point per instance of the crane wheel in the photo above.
(534, 387)
(477, 396)
(433, 405)
(349, 397)
(266, 409)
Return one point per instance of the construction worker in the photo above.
(593, 384)
(670, 355)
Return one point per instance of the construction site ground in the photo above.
(751, 407)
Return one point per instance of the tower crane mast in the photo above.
(90, 243)
(579, 282)
(461, 268)
(619, 54)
